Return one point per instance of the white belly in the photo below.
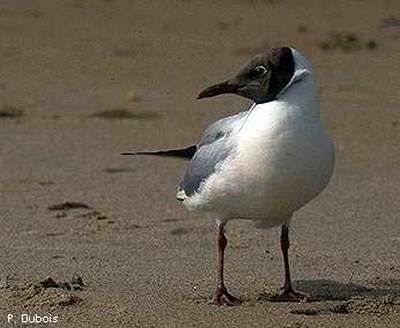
(280, 164)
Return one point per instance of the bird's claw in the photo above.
(289, 295)
(222, 297)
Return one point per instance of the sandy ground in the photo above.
(81, 81)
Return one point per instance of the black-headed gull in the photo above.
(264, 163)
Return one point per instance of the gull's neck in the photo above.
(303, 96)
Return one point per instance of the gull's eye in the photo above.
(257, 72)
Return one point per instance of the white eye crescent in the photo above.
(258, 71)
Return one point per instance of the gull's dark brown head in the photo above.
(261, 80)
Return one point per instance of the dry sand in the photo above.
(126, 254)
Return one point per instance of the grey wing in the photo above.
(215, 146)
(222, 128)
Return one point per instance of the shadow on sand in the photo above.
(330, 290)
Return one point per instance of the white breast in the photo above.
(281, 163)
(283, 159)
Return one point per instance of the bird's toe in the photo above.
(289, 295)
(223, 297)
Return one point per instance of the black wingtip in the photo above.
(129, 153)
(187, 153)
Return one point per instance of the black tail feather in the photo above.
(187, 153)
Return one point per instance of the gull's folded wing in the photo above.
(216, 145)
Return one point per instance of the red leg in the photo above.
(288, 294)
(221, 295)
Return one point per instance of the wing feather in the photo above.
(215, 146)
